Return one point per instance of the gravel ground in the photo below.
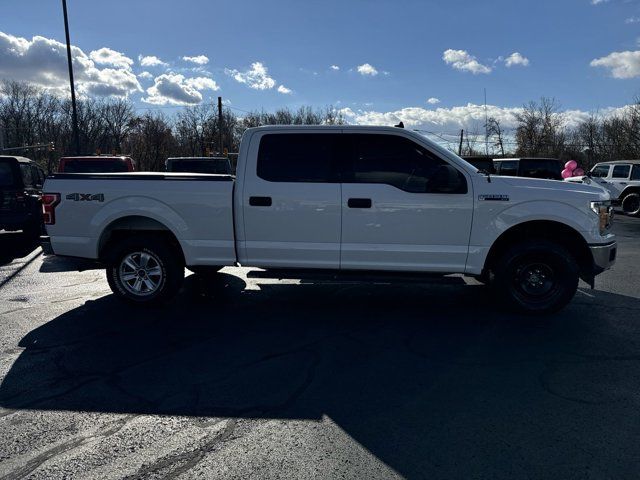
(240, 378)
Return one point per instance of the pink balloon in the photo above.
(571, 165)
(566, 173)
(578, 172)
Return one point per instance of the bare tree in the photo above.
(494, 130)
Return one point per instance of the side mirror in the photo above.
(447, 179)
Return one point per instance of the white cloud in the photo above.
(598, 2)
(622, 64)
(257, 77)
(367, 69)
(462, 60)
(174, 89)
(334, 67)
(151, 61)
(145, 75)
(433, 100)
(631, 20)
(42, 61)
(199, 59)
(284, 90)
(106, 56)
(516, 58)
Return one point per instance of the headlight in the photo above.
(604, 210)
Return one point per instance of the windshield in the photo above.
(95, 166)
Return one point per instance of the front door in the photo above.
(404, 208)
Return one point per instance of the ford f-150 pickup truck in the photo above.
(344, 201)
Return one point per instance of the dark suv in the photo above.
(21, 182)
(550, 168)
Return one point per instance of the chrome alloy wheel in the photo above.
(141, 273)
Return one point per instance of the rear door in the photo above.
(619, 180)
(403, 207)
(291, 200)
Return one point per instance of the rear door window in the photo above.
(542, 168)
(621, 171)
(6, 174)
(298, 157)
(635, 172)
(27, 174)
(95, 166)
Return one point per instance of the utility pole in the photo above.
(74, 111)
(460, 146)
(221, 149)
(486, 130)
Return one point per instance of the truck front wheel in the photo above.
(144, 270)
(536, 276)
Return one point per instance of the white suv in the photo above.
(622, 179)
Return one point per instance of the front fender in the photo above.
(492, 220)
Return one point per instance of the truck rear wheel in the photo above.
(537, 277)
(631, 204)
(144, 270)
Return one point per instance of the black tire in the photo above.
(631, 204)
(536, 276)
(163, 270)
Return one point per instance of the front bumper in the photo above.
(604, 256)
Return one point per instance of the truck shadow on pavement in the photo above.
(433, 381)
(16, 245)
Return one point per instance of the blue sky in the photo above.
(411, 50)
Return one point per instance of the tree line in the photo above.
(30, 115)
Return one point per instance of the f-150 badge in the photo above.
(86, 197)
(494, 198)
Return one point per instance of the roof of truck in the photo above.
(16, 158)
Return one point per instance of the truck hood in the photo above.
(555, 189)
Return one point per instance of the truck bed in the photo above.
(196, 208)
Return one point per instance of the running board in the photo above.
(353, 276)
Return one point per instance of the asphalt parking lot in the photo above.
(280, 379)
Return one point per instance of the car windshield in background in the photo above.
(200, 166)
(6, 174)
(95, 166)
(540, 168)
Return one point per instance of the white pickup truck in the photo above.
(344, 201)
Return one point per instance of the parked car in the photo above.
(622, 179)
(344, 202)
(96, 164)
(220, 165)
(21, 183)
(481, 163)
(549, 168)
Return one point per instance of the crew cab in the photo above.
(344, 201)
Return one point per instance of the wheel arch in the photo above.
(134, 225)
(551, 230)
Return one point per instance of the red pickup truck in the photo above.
(96, 164)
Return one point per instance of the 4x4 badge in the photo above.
(86, 197)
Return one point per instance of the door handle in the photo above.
(260, 201)
(359, 203)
